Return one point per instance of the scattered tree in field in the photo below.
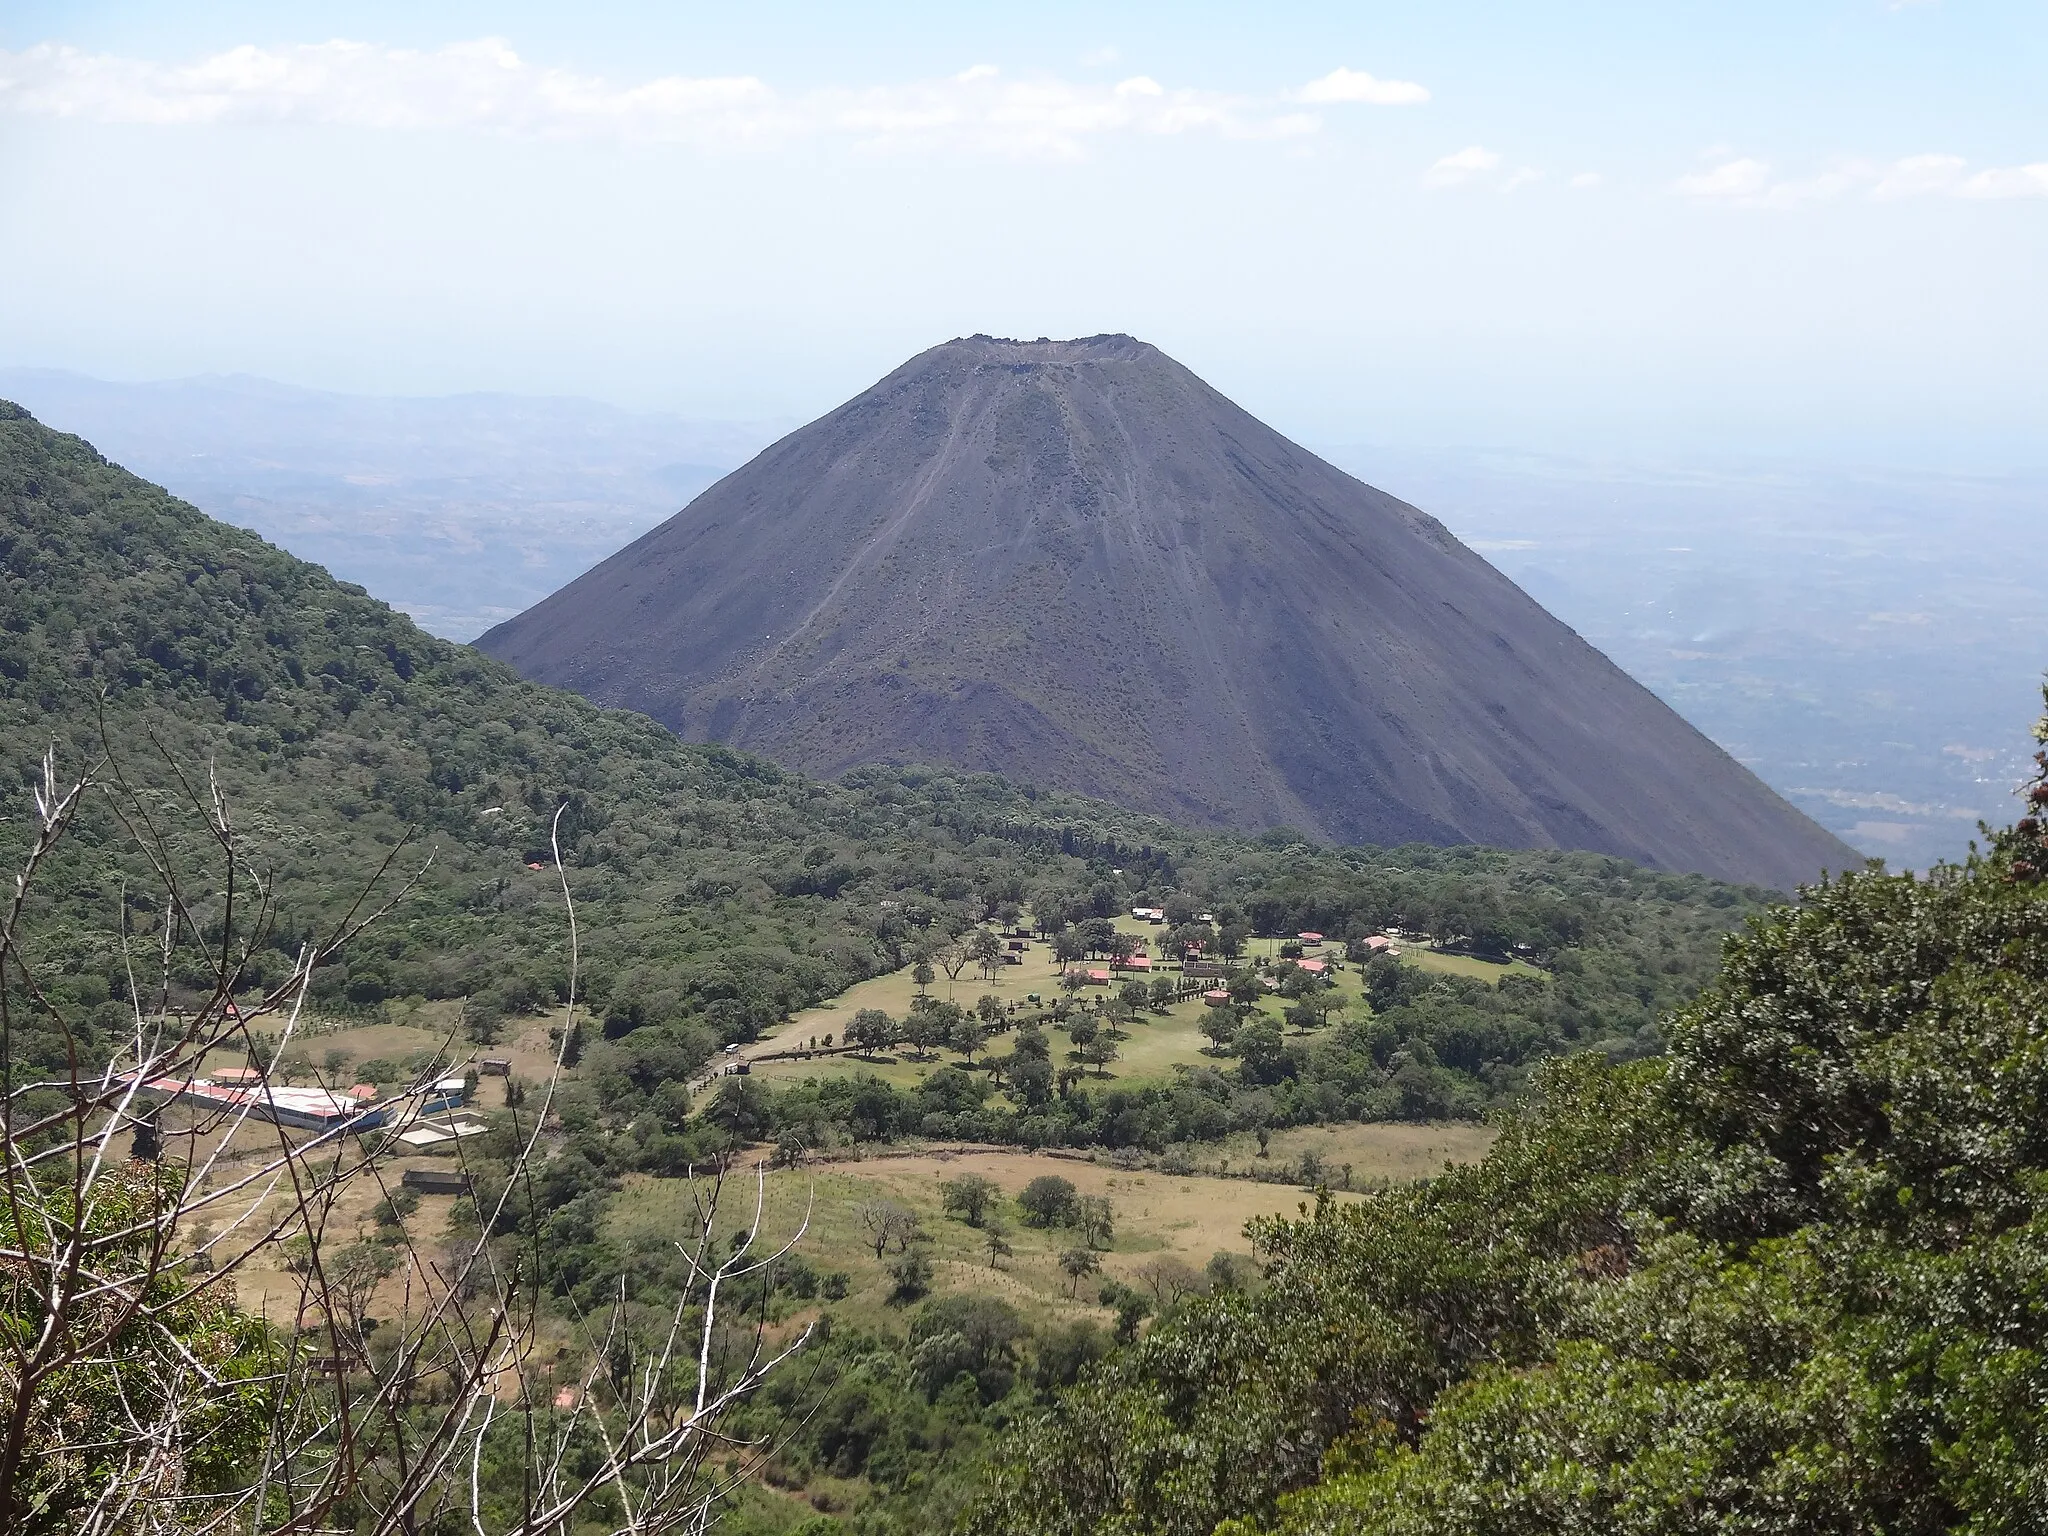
(967, 1035)
(987, 952)
(1162, 993)
(1136, 995)
(1245, 989)
(1077, 1264)
(1219, 1025)
(954, 956)
(923, 975)
(1082, 1030)
(1095, 1221)
(995, 1241)
(970, 1197)
(1048, 1201)
(1122, 946)
(871, 1029)
(989, 1009)
(1099, 1052)
(911, 1270)
(888, 1225)
(1068, 946)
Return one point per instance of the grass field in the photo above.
(1155, 1045)
(1188, 1216)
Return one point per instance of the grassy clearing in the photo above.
(1155, 1044)
(1188, 1216)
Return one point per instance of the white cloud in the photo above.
(1521, 177)
(1731, 179)
(1748, 182)
(1356, 85)
(486, 86)
(1585, 181)
(1099, 58)
(2009, 181)
(1453, 169)
(1919, 175)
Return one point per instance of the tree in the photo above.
(1122, 946)
(1245, 989)
(1031, 1079)
(1083, 1028)
(967, 1035)
(1072, 980)
(1261, 1053)
(1048, 1201)
(1162, 993)
(1219, 1025)
(911, 1270)
(970, 1196)
(1077, 1264)
(954, 956)
(923, 975)
(1069, 946)
(1131, 1305)
(1230, 940)
(921, 1029)
(1095, 1220)
(887, 1225)
(871, 1029)
(1137, 996)
(987, 952)
(995, 1239)
(1099, 1052)
(989, 1009)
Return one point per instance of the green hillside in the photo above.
(717, 892)
(1790, 1277)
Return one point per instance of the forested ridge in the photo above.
(718, 892)
(1788, 1276)
(1760, 1246)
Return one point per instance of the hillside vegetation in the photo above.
(1788, 1277)
(718, 893)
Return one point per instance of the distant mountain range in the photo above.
(1076, 563)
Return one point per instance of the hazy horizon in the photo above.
(1795, 612)
(1810, 232)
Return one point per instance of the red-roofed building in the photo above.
(1379, 942)
(1215, 997)
(1134, 963)
(1310, 938)
(1313, 967)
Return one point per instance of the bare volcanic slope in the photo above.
(1076, 563)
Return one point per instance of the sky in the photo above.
(1811, 228)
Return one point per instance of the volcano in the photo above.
(1076, 564)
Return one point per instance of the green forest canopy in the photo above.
(718, 893)
(1791, 1276)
